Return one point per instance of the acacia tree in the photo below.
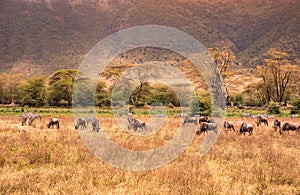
(34, 92)
(223, 57)
(277, 75)
(141, 75)
(102, 96)
(255, 93)
(61, 87)
(9, 90)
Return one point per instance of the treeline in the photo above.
(57, 90)
(40, 91)
(278, 86)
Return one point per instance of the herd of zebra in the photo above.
(204, 123)
(82, 123)
(28, 118)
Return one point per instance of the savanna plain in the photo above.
(41, 160)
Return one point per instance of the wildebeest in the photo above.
(53, 121)
(190, 120)
(203, 119)
(135, 123)
(287, 126)
(205, 127)
(246, 127)
(96, 125)
(80, 123)
(89, 119)
(210, 120)
(29, 117)
(276, 124)
(228, 125)
(261, 119)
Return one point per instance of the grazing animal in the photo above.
(203, 119)
(261, 119)
(276, 124)
(294, 115)
(190, 120)
(53, 121)
(29, 117)
(135, 123)
(33, 117)
(24, 117)
(129, 117)
(287, 126)
(80, 123)
(246, 127)
(228, 125)
(246, 115)
(181, 115)
(205, 127)
(254, 116)
(96, 125)
(210, 120)
(89, 119)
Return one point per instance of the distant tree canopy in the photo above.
(279, 83)
(278, 77)
(61, 87)
(102, 96)
(34, 92)
(10, 88)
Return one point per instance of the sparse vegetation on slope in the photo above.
(40, 37)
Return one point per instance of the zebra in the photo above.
(29, 117)
(80, 123)
(135, 124)
(96, 125)
(89, 119)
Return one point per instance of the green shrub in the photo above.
(274, 109)
(296, 107)
(170, 105)
(238, 100)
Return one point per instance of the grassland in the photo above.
(51, 161)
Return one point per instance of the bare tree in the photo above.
(142, 75)
(277, 75)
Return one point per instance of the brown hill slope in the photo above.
(45, 35)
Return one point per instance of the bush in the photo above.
(254, 103)
(273, 109)
(170, 105)
(296, 107)
(238, 100)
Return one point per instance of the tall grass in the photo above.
(43, 160)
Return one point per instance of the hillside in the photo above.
(40, 36)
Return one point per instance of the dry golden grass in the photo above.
(51, 161)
